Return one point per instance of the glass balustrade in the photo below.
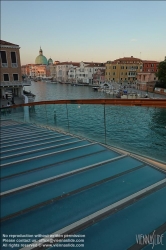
(140, 130)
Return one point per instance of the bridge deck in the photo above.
(57, 183)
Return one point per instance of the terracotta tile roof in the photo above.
(7, 43)
(76, 64)
(95, 65)
(128, 59)
(149, 61)
(68, 63)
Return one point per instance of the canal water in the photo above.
(56, 91)
(139, 130)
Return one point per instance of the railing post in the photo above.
(105, 125)
(67, 118)
(46, 114)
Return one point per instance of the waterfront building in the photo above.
(52, 68)
(11, 77)
(62, 70)
(34, 70)
(40, 69)
(85, 72)
(72, 72)
(123, 69)
(147, 78)
(99, 76)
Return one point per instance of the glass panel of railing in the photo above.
(57, 116)
(5, 113)
(139, 130)
(87, 121)
(17, 114)
(37, 114)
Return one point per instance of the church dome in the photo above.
(50, 61)
(40, 59)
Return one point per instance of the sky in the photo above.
(97, 31)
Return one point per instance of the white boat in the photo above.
(31, 97)
(131, 96)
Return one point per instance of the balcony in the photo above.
(132, 70)
(132, 75)
(15, 83)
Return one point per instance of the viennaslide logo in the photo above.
(149, 239)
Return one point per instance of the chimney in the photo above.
(132, 56)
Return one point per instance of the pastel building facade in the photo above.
(147, 78)
(41, 67)
(123, 70)
(99, 76)
(11, 76)
(85, 71)
(62, 70)
(53, 69)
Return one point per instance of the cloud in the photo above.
(133, 40)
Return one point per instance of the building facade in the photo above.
(147, 78)
(53, 70)
(40, 69)
(63, 70)
(11, 76)
(99, 76)
(83, 73)
(149, 71)
(34, 70)
(123, 70)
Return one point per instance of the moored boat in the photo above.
(31, 97)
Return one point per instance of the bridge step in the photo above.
(52, 182)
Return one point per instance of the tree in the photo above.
(161, 74)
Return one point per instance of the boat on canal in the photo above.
(31, 97)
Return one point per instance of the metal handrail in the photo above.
(158, 103)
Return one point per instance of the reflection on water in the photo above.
(138, 129)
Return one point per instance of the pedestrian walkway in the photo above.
(17, 100)
(55, 183)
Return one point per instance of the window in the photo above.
(6, 77)
(114, 67)
(13, 57)
(121, 73)
(126, 67)
(114, 73)
(3, 58)
(15, 77)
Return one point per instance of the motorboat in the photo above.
(31, 97)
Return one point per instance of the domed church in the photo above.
(40, 59)
(50, 61)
